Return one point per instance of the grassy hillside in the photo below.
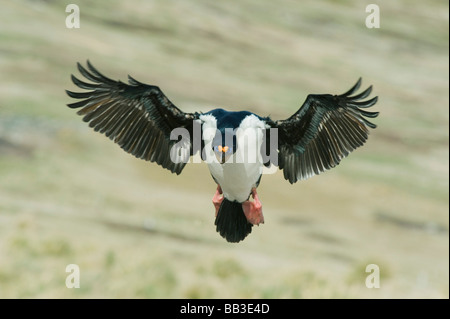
(70, 196)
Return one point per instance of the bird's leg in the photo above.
(253, 209)
(218, 198)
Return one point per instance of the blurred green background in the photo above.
(68, 195)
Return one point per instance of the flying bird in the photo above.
(142, 121)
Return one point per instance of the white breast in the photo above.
(241, 172)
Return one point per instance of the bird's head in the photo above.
(224, 145)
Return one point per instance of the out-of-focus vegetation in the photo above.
(70, 196)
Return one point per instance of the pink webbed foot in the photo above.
(253, 209)
(217, 198)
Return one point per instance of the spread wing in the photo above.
(136, 116)
(324, 130)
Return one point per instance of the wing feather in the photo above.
(136, 116)
(323, 131)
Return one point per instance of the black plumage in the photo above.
(322, 132)
(137, 116)
(231, 223)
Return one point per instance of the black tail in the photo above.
(231, 222)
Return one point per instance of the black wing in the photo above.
(136, 116)
(322, 132)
